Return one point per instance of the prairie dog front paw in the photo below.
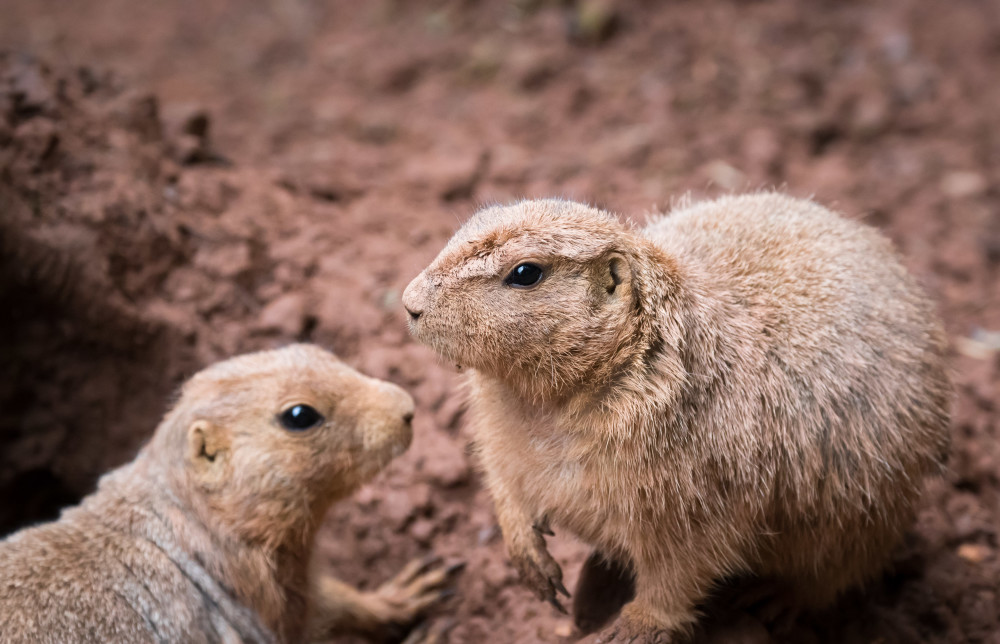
(538, 570)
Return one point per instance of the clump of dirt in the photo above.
(360, 135)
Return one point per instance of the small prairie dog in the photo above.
(206, 535)
(746, 386)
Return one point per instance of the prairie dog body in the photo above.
(206, 535)
(751, 385)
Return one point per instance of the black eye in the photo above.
(524, 275)
(300, 418)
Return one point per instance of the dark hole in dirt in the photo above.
(75, 383)
(39, 494)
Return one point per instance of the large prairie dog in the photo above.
(751, 385)
(206, 535)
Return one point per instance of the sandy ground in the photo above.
(181, 181)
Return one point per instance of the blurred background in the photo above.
(183, 180)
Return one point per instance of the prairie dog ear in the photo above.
(207, 449)
(616, 272)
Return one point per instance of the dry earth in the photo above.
(183, 180)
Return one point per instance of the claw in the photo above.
(555, 604)
(434, 575)
(542, 528)
(428, 562)
(417, 567)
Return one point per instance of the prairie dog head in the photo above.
(539, 294)
(267, 441)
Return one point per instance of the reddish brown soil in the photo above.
(347, 142)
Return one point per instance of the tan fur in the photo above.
(206, 535)
(751, 385)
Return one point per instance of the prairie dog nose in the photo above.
(414, 297)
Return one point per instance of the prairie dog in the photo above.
(751, 385)
(206, 535)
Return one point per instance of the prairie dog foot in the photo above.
(623, 635)
(640, 625)
(538, 570)
(407, 597)
(392, 610)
